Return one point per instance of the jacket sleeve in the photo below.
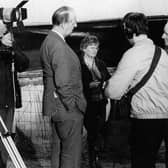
(122, 78)
(20, 59)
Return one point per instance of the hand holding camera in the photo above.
(7, 39)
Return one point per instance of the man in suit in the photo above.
(63, 98)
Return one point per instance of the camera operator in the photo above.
(12, 60)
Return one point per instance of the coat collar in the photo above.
(56, 35)
(59, 34)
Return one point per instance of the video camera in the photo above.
(17, 14)
(9, 15)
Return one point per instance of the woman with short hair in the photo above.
(94, 74)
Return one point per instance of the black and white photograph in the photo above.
(83, 84)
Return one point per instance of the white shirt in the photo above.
(151, 101)
(59, 34)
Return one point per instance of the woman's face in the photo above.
(91, 50)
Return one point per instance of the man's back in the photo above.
(62, 76)
(151, 100)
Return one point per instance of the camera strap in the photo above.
(146, 77)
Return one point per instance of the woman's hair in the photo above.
(89, 39)
(61, 15)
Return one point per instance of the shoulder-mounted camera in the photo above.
(17, 14)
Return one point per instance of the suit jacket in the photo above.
(63, 91)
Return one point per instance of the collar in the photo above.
(58, 34)
(141, 37)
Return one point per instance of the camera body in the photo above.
(9, 15)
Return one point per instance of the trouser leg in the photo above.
(165, 134)
(70, 135)
(55, 147)
(7, 116)
(166, 154)
(146, 139)
(94, 123)
(91, 150)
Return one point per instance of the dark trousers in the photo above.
(146, 138)
(7, 116)
(94, 122)
(66, 143)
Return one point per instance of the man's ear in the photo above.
(62, 25)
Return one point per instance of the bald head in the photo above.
(62, 15)
(64, 20)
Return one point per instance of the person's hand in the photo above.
(7, 40)
(94, 84)
(3, 28)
